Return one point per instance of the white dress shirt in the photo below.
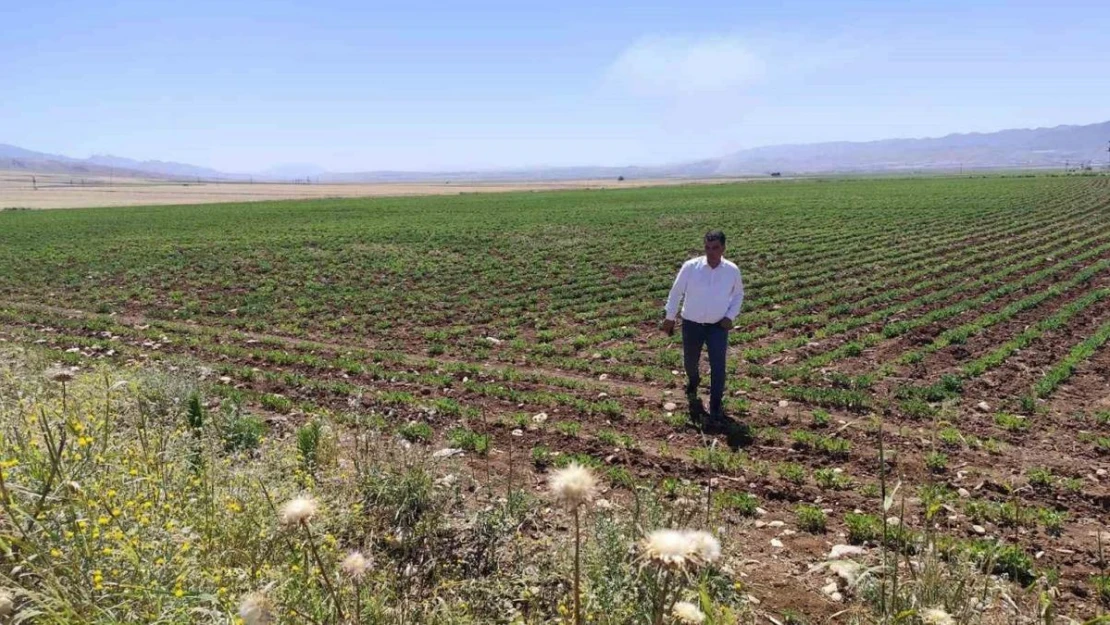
(708, 295)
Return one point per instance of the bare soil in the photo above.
(661, 450)
(64, 191)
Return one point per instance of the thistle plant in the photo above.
(573, 487)
(687, 613)
(354, 566)
(256, 609)
(517, 433)
(673, 556)
(298, 512)
(62, 376)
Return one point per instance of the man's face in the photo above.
(713, 251)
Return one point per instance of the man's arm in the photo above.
(736, 299)
(678, 290)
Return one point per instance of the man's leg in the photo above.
(717, 341)
(693, 336)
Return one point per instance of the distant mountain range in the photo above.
(1027, 148)
(20, 159)
(1023, 148)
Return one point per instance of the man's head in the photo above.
(714, 247)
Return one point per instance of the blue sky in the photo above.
(242, 86)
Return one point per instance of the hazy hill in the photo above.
(21, 159)
(1022, 148)
(1038, 147)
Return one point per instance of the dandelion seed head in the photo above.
(59, 374)
(936, 616)
(706, 547)
(669, 547)
(355, 564)
(679, 548)
(256, 609)
(686, 612)
(574, 485)
(299, 510)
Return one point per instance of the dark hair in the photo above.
(715, 235)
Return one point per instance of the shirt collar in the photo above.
(704, 262)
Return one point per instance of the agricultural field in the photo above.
(18, 190)
(920, 369)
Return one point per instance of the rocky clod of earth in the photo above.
(846, 571)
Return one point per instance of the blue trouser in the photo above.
(694, 335)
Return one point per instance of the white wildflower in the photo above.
(355, 565)
(299, 510)
(679, 548)
(705, 546)
(686, 612)
(574, 485)
(669, 547)
(256, 609)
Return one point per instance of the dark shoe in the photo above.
(696, 407)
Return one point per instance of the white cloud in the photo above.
(679, 66)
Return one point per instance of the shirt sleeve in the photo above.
(737, 298)
(678, 289)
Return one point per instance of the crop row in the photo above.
(898, 328)
(991, 360)
(961, 333)
(1064, 369)
(953, 281)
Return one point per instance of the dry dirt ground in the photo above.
(779, 559)
(17, 190)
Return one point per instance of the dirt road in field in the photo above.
(48, 191)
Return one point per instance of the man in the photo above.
(712, 291)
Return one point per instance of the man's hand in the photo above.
(725, 323)
(668, 327)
